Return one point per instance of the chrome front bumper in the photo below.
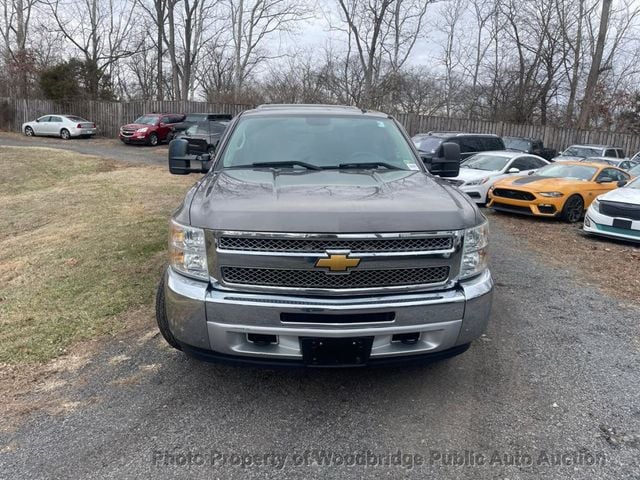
(219, 321)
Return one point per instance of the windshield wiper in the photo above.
(288, 163)
(369, 165)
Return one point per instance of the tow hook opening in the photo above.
(261, 339)
(406, 338)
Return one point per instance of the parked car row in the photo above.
(594, 182)
(202, 130)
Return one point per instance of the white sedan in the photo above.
(480, 172)
(616, 213)
(63, 126)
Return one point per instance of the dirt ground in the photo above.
(613, 266)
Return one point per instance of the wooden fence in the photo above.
(110, 115)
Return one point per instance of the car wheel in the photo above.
(28, 131)
(153, 139)
(573, 209)
(64, 134)
(161, 317)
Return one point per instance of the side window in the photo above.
(611, 173)
(620, 153)
(175, 118)
(489, 143)
(536, 162)
(537, 145)
(525, 163)
(610, 152)
(470, 144)
(55, 119)
(165, 119)
(497, 144)
(44, 119)
(624, 165)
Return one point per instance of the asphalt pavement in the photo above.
(111, 148)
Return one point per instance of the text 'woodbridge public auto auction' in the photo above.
(367, 458)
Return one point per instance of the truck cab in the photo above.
(317, 237)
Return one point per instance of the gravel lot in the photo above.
(556, 373)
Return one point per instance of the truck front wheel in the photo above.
(161, 317)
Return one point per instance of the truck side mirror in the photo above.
(181, 163)
(448, 165)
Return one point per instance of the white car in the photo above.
(616, 213)
(480, 172)
(63, 126)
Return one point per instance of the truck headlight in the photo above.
(187, 251)
(142, 130)
(551, 194)
(474, 250)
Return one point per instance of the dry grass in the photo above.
(607, 264)
(82, 241)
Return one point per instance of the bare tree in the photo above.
(596, 63)
(379, 31)
(252, 23)
(101, 30)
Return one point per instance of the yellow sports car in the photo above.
(562, 189)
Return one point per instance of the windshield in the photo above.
(635, 184)
(318, 141)
(200, 128)
(578, 172)
(486, 162)
(635, 171)
(575, 151)
(147, 120)
(516, 143)
(427, 144)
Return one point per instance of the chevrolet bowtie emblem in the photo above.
(338, 263)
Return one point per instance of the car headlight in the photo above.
(474, 251)
(551, 194)
(596, 205)
(142, 130)
(479, 181)
(187, 251)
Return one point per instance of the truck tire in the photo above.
(161, 317)
(573, 209)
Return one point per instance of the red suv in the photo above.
(151, 129)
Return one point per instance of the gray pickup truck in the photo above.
(317, 237)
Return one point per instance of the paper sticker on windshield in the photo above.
(412, 166)
(380, 124)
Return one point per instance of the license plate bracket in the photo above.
(334, 352)
(620, 223)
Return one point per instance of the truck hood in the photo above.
(329, 201)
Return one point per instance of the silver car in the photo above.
(63, 126)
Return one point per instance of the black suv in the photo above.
(430, 144)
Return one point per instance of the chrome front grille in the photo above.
(258, 244)
(297, 262)
(276, 277)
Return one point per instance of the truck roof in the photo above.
(314, 109)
